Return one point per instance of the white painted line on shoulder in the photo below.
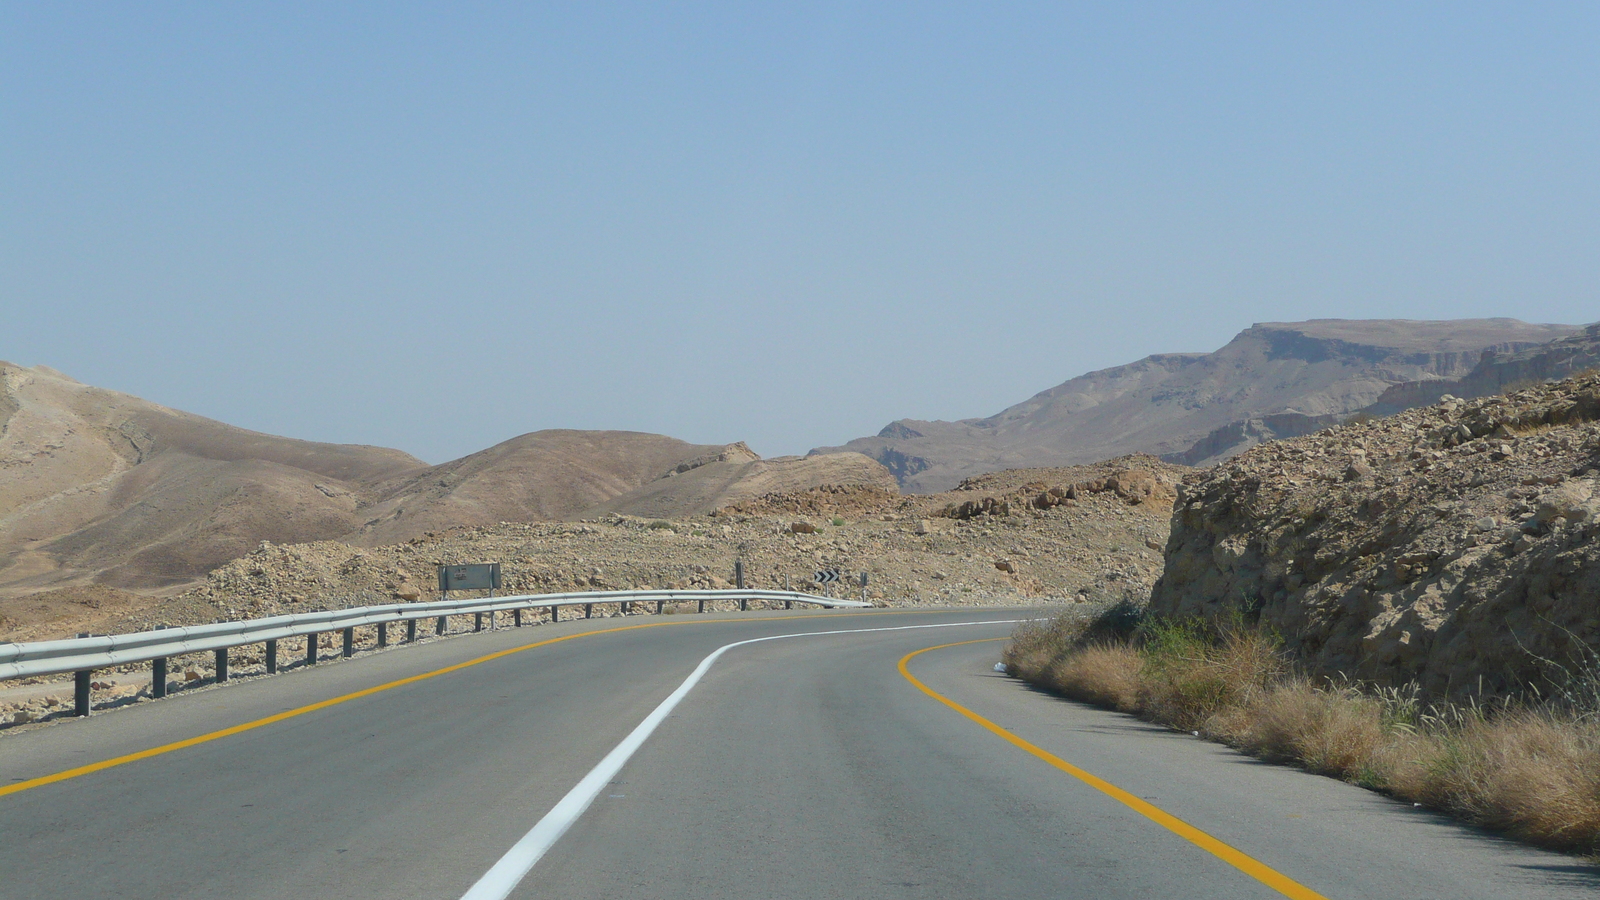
(504, 876)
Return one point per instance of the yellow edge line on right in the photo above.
(1260, 871)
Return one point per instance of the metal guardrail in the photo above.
(83, 655)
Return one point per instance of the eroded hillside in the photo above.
(101, 490)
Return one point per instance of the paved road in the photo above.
(807, 767)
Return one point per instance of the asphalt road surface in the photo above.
(806, 767)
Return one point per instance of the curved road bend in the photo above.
(804, 768)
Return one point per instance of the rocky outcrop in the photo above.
(1454, 545)
(1273, 380)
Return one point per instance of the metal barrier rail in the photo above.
(82, 656)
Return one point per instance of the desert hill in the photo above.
(99, 484)
(99, 487)
(1273, 380)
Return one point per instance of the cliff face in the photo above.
(1273, 380)
(1455, 545)
(1499, 368)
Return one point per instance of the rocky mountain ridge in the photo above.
(1273, 380)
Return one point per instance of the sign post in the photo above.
(469, 577)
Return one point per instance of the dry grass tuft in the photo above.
(1102, 674)
(1531, 772)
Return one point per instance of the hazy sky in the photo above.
(435, 227)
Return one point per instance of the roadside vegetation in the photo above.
(1527, 766)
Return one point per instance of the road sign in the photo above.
(473, 577)
(827, 576)
(863, 579)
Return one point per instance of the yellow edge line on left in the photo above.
(302, 710)
(345, 698)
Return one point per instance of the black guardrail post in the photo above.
(789, 603)
(622, 607)
(439, 625)
(744, 604)
(660, 605)
(702, 605)
(588, 610)
(311, 649)
(555, 613)
(477, 621)
(516, 617)
(80, 692)
(411, 630)
(349, 641)
(222, 664)
(272, 657)
(158, 673)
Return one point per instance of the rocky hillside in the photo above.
(1063, 534)
(102, 488)
(1453, 545)
(1274, 380)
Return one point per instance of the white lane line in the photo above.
(504, 876)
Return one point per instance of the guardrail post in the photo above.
(744, 604)
(222, 664)
(158, 677)
(555, 613)
(516, 617)
(702, 605)
(439, 625)
(622, 608)
(411, 631)
(272, 657)
(588, 610)
(383, 634)
(349, 642)
(477, 621)
(788, 604)
(80, 691)
(311, 649)
(660, 605)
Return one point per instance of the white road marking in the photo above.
(504, 876)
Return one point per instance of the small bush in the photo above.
(837, 521)
(1191, 672)
(1103, 674)
(663, 524)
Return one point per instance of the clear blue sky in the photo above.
(435, 227)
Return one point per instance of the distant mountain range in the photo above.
(1273, 380)
(102, 487)
(99, 487)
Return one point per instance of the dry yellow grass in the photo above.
(1533, 773)
(1102, 674)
